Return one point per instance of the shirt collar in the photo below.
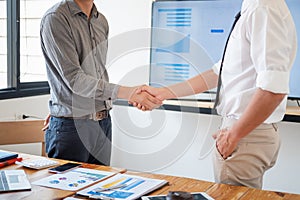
(95, 12)
(246, 4)
(74, 9)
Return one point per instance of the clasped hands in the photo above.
(148, 98)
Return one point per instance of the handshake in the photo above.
(148, 98)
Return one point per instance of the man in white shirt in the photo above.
(255, 83)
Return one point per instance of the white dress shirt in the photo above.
(260, 54)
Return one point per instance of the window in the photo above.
(3, 45)
(22, 66)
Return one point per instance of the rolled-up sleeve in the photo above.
(270, 50)
(274, 81)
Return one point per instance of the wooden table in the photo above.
(217, 191)
(44, 193)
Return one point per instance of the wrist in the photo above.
(167, 93)
(126, 92)
(236, 134)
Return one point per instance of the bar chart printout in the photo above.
(132, 187)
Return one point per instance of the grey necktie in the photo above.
(221, 67)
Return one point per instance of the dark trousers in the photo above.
(81, 140)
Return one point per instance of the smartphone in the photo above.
(64, 168)
(196, 196)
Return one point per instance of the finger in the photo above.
(133, 103)
(218, 149)
(46, 121)
(149, 105)
(150, 90)
(138, 90)
(139, 106)
(45, 128)
(215, 135)
(144, 108)
(141, 89)
(154, 100)
(147, 102)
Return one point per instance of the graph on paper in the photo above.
(133, 187)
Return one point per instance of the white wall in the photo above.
(285, 175)
(32, 106)
(36, 106)
(129, 39)
(176, 143)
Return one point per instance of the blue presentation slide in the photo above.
(188, 37)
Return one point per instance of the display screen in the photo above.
(294, 6)
(188, 37)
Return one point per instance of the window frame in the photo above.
(15, 88)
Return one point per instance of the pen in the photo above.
(9, 162)
(111, 188)
(100, 197)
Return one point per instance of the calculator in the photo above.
(38, 163)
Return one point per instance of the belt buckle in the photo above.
(99, 115)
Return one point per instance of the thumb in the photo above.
(140, 89)
(46, 120)
(215, 135)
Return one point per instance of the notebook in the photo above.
(13, 180)
(4, 156)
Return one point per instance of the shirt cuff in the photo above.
(274, 81)
(216, 67)
(111, 91)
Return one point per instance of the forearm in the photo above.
(200, 83)
(259, 109)
(125, 92)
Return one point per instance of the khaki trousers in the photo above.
(255, 153)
